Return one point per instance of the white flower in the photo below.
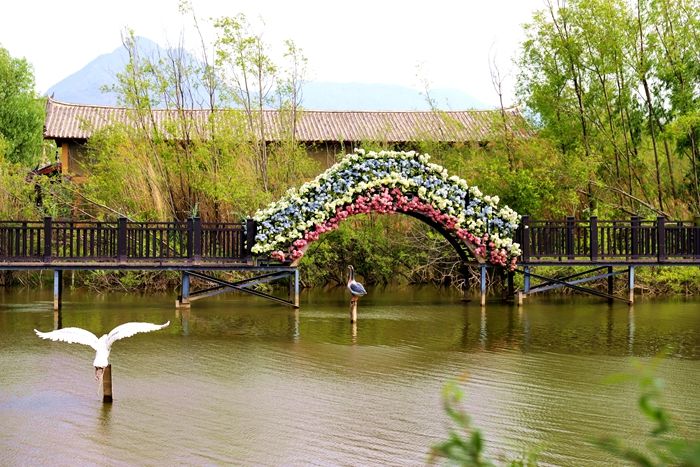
(310, 204)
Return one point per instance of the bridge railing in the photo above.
(125, 240)
(22, 239)
(592, 240)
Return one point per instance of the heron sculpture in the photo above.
(102, 345)
(356, 289)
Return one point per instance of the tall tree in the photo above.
(181, 152)
(615, 82)
(250, 76)
(21, 111)
(676, 55)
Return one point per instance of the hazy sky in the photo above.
(370, 41)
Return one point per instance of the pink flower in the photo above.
(277, 255)
(393, 200)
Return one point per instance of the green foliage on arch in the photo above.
(387, 182)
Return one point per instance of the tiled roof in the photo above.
(78, 121)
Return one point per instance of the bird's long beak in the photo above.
(98, 373)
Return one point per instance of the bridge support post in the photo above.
(296, 288)
(57, 289)
(510, 286)
(526, 286)
(184, 300)
(631, 285)
(526, 280)
(483, 284)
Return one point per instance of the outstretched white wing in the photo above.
(129, 329)
(70, 335)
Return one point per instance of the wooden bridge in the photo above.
(195, 248)
(608, 248)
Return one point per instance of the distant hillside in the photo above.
(84, 87)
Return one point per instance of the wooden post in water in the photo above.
(353, 309)
(107, 384)
(57, 289)
(184, 300)
(57, 319)
(631, 285)
(522, 295)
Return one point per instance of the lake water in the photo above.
(240, 381)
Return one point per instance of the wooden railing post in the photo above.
(197, 238)
(593, 226)
(525, 238)
(570, 237)
(190, 237)
(25, 234)
(634, 234)
(121, 239)
(696, 236)
(47, 238)
(661, 238)
(251, 229)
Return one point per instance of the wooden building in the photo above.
(324, 133)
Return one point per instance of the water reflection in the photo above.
(483, 334)
(610, 327)
(294, 324)
(464, 341)
(104, 418)
(630, 330)
(183, 314)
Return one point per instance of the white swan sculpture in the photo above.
(103, 345)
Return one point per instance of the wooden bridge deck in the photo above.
(195, 247)
(194, 244)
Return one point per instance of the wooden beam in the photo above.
(65, 157)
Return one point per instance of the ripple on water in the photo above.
(261, 385)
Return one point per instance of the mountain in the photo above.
(84, 87)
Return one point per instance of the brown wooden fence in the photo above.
(603, 241)
(569, 241)
(124, 240)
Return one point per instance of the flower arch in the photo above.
(388, 182)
